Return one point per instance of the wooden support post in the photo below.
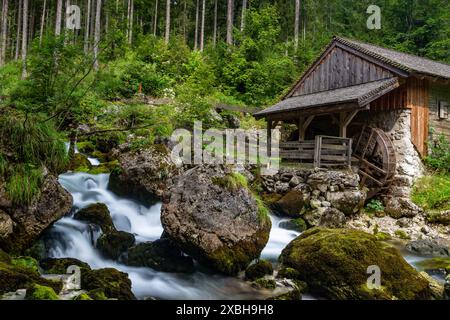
(344, 120)
(302, 126)
(269, 138)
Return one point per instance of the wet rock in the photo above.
(447, 287)
(298, 225)
(438, 265)
(334, 262)
(60, 265)
(107, 283)
(348, 202)
(79, 162)
(114, 243)
(161, 255)
(258, 270)
(293, 202)
(436, 288)
(29, 221)
(211, 214)
(332, 218)
(428, 247)
(400, 207)
(98, 214)
(6, 225)
(143, 174)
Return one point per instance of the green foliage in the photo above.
(402, 234)
(28, 145)
(439, 154)
(432, 192)
(375, 206)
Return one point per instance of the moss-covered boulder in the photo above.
(79, 162)
(213, 216)
(439, 217)
(21, 273)
(114, 243)
(98, 214)
(60, 265)
(83, 296)
(298, 225)
(161, 255)
(109, 283)
(38, 292)
(258, 270)
(334, 263)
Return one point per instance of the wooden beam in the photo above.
(269, 137)
(345, 119)
(303, 125)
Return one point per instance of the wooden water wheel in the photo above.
(377, 162)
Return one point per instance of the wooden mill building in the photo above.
(365, 92)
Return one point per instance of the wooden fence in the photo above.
(324, 151)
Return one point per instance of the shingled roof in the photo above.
(359, 94)
(403, 61)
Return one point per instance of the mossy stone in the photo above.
(383, 236)
(298, 225)
(98, 214)
(79, 162)
(435, 264)
(38, 292)
(264, 283)
(114, 243)
(334, 263)
(113, 283)
(83, 296)
(60, 265)
(402, 234)
(258, 270)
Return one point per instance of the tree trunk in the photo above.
(202, 32)
(97, 33)
(244, 10)
(87, 27)
(4, 32)
(196, 26)
(131, 22)
(24, 38)
(19, 26)
(58, 18)
(296, 23)
(155, 23)
(167, 34)
(41, 31)
(215, 24)
(230, 15)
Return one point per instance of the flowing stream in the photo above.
(73, 238)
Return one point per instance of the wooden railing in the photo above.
(324, 151)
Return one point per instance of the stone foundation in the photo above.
(397, 124)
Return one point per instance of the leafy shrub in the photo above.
(439, 154)
(375, 206)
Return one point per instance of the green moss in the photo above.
(26, 262)
(383, 236)
(432, 192)
(334, 262)
(98, 214)
(271, 198)
(84, 296)
(264, 283)
(402, 234)
(439, 217)
(289, 273)
(38, 292)
(79, 163)
(258, 270)
(97, 294)
(85, 147)
(435, 264)
(108, 282)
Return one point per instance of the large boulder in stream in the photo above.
(334, 263)
(114, 243)
(211, 214)
(107, 283)
(143, 174)
(161, 255)
(21, 224)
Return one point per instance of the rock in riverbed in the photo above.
(212, 215)
(143, 174)
(334, 263)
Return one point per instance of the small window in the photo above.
(443, 110)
